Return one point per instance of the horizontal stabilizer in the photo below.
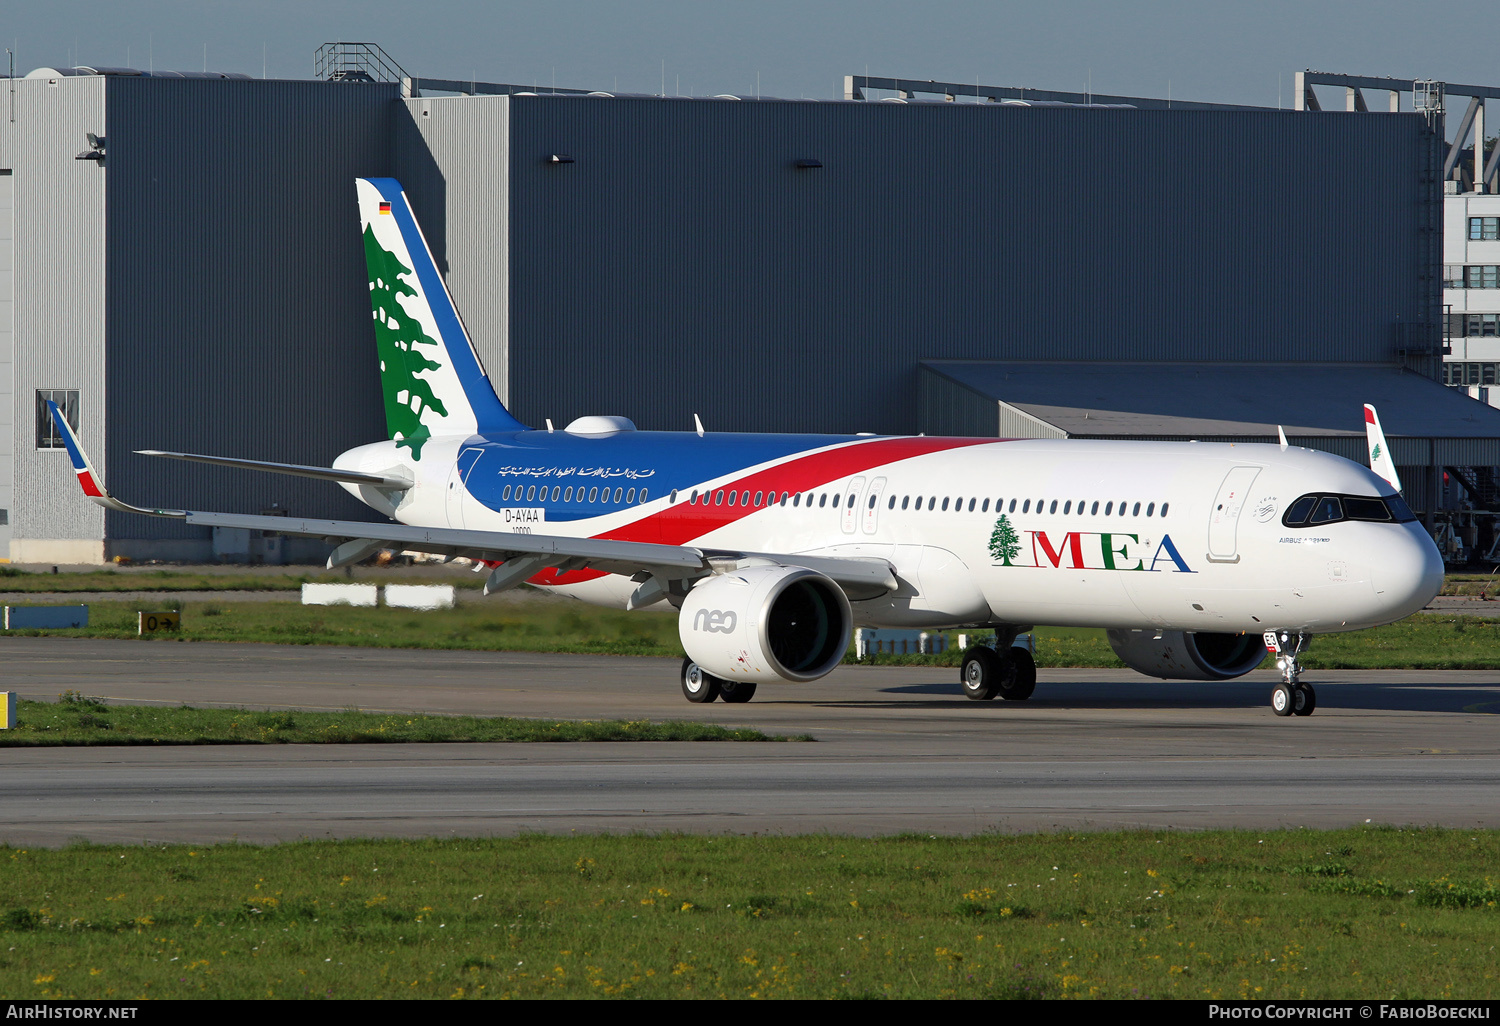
(396, 479)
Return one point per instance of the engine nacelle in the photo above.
(1188, 655)
(765, 622)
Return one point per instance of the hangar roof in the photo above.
(1193, 400)
(1318, 404)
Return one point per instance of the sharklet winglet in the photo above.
(88, 477)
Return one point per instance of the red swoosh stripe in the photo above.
(680, 523)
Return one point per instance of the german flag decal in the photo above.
(385, 208)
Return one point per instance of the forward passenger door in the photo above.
(1224, 518)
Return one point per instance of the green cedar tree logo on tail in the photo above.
(396, 337)
(1375, 453)
(1004, 542)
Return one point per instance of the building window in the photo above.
(1459, 373)
(47, 436)
(1482, 276)
(1484, 228)
(1453, 276)
(1474, 325)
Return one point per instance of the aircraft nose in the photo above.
(1408, 572)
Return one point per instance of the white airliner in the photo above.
(1195, 557)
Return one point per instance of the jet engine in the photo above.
(765, 622)
(1188, 655)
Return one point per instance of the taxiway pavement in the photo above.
(897, 749)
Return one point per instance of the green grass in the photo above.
(544, 626)
(1363, 913)
(79, 720)
(22, 581)
(1424, 641)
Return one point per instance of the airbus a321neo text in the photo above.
(1195, 557)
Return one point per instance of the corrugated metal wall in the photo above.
(684, 255)
(451, 156)
(945, 407)
(239, 321)
(59, 293)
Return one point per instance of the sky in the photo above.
(1223, 52)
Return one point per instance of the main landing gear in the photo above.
(1291, 697)
(987, 674)
(698, 685)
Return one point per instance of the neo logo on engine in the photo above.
(715, 621)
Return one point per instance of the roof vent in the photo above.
(598, 427)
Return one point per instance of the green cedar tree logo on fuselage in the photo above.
(1004, 542)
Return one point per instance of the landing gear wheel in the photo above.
(982, 673)
(736, 690)
(1019, 687)
(1304, 700)
(1283, 700)
(697, 684)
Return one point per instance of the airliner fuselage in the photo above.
(1180, 536)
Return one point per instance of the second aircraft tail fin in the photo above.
(433, 381)
(1380, 452)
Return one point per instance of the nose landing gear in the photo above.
(1291, 697)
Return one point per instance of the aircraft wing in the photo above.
(520, 555)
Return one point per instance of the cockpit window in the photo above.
(1327, 510)
(1366, 509)
(1296, 514)
(1318, 510)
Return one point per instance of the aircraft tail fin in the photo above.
(433, 381)
(1380, 452)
